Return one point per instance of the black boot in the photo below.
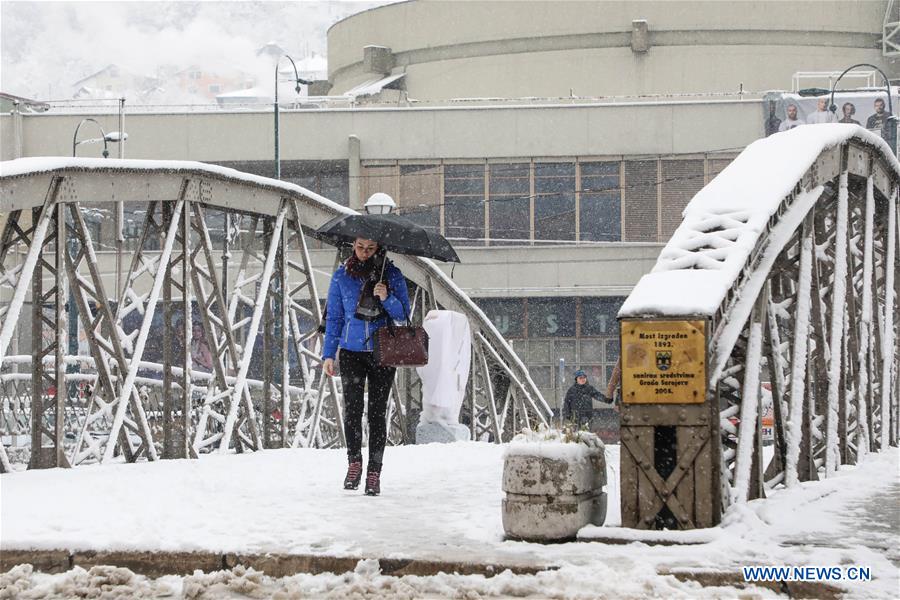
(373, 480)
(354, 474)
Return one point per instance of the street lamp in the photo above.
(113, 136)
(892, 120)
(298, 82)
(379, 203)
(72, 310)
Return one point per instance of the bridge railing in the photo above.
(252, 297)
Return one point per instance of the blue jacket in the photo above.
(345, 330)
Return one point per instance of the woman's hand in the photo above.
(381, 291)
(328, 366)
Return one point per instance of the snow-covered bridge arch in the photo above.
(253, 287)
(789, 257)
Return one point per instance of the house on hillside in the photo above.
(209, 83)
(113, 81)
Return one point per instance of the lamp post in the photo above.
(279, 334)
(120, 206)
(114, 137)
(298, 82)
(892, 120)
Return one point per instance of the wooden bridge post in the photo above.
(670, 463)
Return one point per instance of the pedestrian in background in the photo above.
(578, 406)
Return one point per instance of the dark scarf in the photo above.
(362, 269)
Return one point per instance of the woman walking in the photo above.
(353, 316)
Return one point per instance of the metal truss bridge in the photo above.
(222, 264)
(785, 268)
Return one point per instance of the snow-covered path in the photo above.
(439, 502)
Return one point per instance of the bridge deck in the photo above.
(439, 503)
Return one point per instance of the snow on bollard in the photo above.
(554, 484)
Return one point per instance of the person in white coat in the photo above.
(822, 114)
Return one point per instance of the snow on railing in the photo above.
(723, 223)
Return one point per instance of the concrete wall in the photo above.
(610, 269)
(544, 48)
(653, 128)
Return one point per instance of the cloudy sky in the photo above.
(47, 46)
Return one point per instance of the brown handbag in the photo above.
(403, 346)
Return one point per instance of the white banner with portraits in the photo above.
(870, 109)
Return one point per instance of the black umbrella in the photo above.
(391, 232)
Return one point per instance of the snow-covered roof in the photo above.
(249, 93)
(112, 67)
(374, 86)
(722, 224)
(85, 91)
(25, 104)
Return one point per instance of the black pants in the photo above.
(356, 368)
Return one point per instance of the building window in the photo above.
(551, 317)
(196, 75)
(506, 314)
(555, 336)
(600, 204)
(509, 203)
(419, 199)
(716, 166)
(328, 178)
(334, 185)
(464, 203)
(380, 178)
(214, 88)
(612, 350)
(681, 179)
(598, 315)
(641, 201)
(554, 201)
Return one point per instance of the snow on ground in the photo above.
(439, 502)
(599, 581)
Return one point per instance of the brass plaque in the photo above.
(663, 362)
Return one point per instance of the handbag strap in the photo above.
(390, 323)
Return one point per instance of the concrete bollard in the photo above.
(552, 490)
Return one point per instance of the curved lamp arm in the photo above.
(887, 86)
(892, 130)
(298, 80)
(103, 133)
